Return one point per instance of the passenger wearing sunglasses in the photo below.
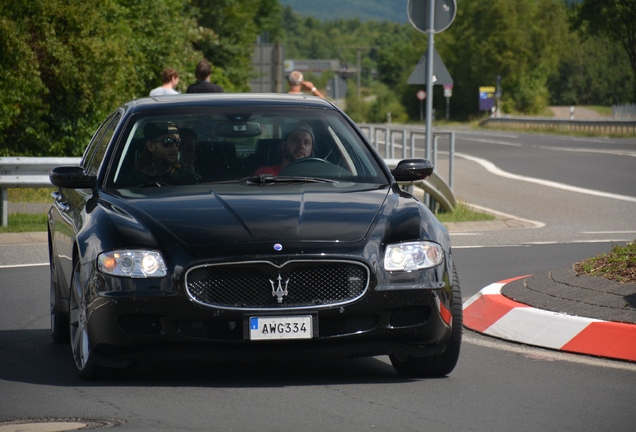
(159, 160)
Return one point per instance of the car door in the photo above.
(69, 204)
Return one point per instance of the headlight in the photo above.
(132, 263)
(412, 256)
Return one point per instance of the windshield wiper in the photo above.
(271, 179)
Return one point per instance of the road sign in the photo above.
(448, 90)
(440, 73)
(486, 98)
(337, 88)
(421, 95)
(418, 12)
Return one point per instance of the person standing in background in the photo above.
(297, 82)
(170, 78)
(203, 84)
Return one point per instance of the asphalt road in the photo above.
(497, 386)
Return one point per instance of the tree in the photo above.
(68, 63)
(592, 71)
(615, 19)
(520, 40)
(229, 29)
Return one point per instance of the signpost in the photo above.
(431, 16)
(486, 98)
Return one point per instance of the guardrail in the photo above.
(397, 142)
(27, 172)
(600, 127)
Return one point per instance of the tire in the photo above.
(440, 364)
(78, 325)
(59, 319)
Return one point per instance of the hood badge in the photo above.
(278, 247)
(277, 290)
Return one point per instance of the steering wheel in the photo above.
(309, 159)
(313, 167)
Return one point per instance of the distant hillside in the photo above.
(365, 10)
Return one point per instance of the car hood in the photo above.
(302, 215)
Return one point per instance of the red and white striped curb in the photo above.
(489, 312)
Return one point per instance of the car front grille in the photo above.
(264, 285)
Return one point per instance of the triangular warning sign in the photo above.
(440, 73)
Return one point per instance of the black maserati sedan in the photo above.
(246, 226)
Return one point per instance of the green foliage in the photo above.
(618, 265)
(463, 213)
(355, 106)
(331, 10)
(68, 63)
(519, 40)
(229, 30)
(29, 195)
(592, 71)
(24, 222)
(77, 60)
(386, 107)
(613, 19)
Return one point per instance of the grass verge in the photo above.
(618, 265)
(463, 213)
(24, 222)
(30, 195)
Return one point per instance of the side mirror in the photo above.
(72, 177)
(412, 170)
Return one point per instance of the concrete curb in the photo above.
(491, 313)
(23, 238)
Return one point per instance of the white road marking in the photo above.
(493, 169)
(602, 151)
(24, 265)
(608, 232)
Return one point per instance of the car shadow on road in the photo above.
(29, 356)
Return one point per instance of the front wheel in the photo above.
(440, 364)
(59, 319)
(78, 324)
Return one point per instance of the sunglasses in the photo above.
(168, 142)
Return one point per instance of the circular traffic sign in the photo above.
(443, 16)
(421, 95)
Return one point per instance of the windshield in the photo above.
(255, 147)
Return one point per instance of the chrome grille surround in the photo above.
(250, 285)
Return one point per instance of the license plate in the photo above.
(275, 328)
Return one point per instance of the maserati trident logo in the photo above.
(277, 289)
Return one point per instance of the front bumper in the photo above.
(125, 326)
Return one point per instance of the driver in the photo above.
(298, 143)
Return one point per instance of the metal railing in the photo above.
(400, 142)
(598, 127)
(26, 172)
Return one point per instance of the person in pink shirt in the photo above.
(298, 143)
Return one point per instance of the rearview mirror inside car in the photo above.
(238, 129)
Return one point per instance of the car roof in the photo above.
(226, 100)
